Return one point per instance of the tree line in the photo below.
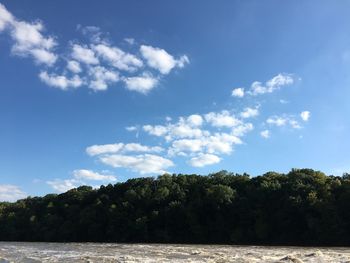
(302, 207)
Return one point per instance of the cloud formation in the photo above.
(238, 92)
(161, 60)
(258, 88)
(96, 64)
(265, 134)
(28, 38)
(91, 175)
(81, 177)
(10, 193)
(305, 115)
(199, 138)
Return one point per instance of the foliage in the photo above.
(303, 207)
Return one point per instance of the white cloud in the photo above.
(221, 143)
(195, 120)
(74, 66)
(204, 160)
(271, 85)
(161, 60)
(131, 128)
(92, 32)
(10, 193)
(5, 17)
(120, 147)
(29, 41)
(186, 145)
(44, 56)
(277, 121)
(98, 62)
(61, 82)
(84, 54)
(238, 92)
(106, 148)
(129, 40)
(102, 77)
(280, 121)
(249, 113)
(61, 186)
(91, 175)
(295, 124)
(118, 58)
(305, 115)
(182, 130)
(143, 164)
(222, 119)
(242, 129)
(187, 137)
(28, 38)
(265, 134)
(157, 130)
(142, 84)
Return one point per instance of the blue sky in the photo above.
(99, 93)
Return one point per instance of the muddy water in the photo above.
(88, 252)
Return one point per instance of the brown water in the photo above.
(88, 252)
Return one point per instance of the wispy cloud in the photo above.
(284, 120)
(91, 175)
(258, 88)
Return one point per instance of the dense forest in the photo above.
(303, 207)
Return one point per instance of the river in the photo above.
(92, 252)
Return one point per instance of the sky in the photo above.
(97, 93)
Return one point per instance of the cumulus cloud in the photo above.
(61, 186)
(185, 127)
(201, 138)
(118, 58)
(161, 60)
(28, 38)
(121, 147)
(222, 119)
(101, 77)
(203, 160)
(6, 17)
(91, 175)
(265, 134)
(61, 82)
(74, 66)
(238, 92)
(142, 84)
(143, 164)
(84, 54)
(242, 129)
(280, 121)
(305, 115)
(97, 63)
(10, 193)
(249, 113)
(195, 120)
(277, 121)
(271, 85)
(157, 130)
